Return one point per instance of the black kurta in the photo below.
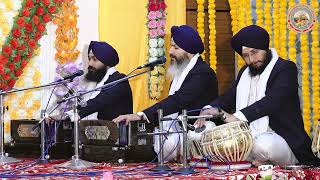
(112, 102)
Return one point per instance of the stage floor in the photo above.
(28, 169)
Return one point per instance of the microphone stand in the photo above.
(44, 154)
(106, 85)
(4, 158)
(185, 170)
(161, 167)
(76, 162)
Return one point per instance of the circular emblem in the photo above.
(301, 18)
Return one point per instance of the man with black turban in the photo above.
(107, 103)
(265, 95)
(194, 85)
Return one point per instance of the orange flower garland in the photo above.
(67, 33)
(212, 34)
(200, 22)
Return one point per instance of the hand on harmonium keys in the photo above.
(52, 119)
(127, 118)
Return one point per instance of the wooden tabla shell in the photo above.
(229, 142)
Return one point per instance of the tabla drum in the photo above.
(229, 142)
(316, 142)
(194, 140)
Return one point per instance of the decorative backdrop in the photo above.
(27, 50)
(37, 65)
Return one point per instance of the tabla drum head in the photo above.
(197, 133)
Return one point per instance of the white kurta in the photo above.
(268, 146)
(172, 146)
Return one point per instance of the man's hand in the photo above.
(227, 118)
(230, 118)
(127, 118)
(52, 119)
(210, 111)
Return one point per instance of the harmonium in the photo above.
(100, 140)
(26, 140)
(105, 141)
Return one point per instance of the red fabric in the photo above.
(140, 171)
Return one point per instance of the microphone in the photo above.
(72, 76)
(82, 102)
(161, 60)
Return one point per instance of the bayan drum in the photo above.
(229, 142)
(194, 140)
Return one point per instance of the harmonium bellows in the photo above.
(103, 140)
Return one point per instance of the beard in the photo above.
(95, 75)
(178, 64)
(258, 70)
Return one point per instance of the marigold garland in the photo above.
(248, 12)
(234, 8)
(267, 16)
(67, 53)
(234, 17)
(242, 23)
(276, 24)
(200, 22)
(315, 67)
(259, 11)
(67, 33)
(212, 34)
(283, 30)
(305, 82)
(292, 38)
